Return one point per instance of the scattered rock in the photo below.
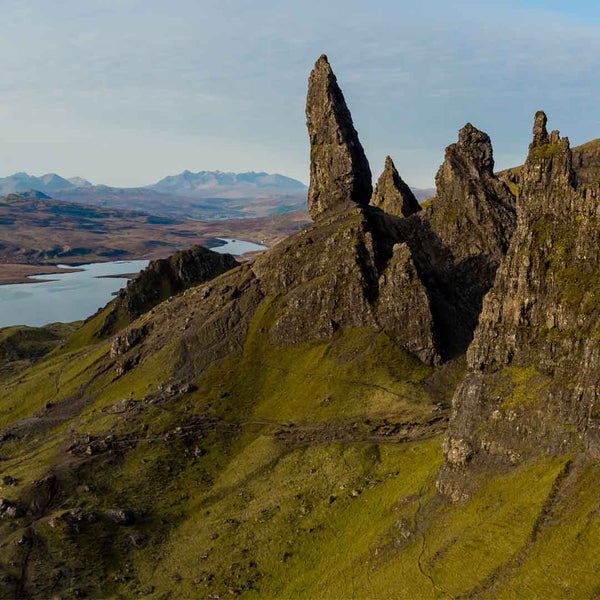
(123, 343)
(119, 516)
(11, 509)
(138, 539)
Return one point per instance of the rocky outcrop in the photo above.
(534, 380)
(403, 305)
(421, 278)
(460, 238)
(347, 271)
(393, 195)
(585, 159)
(339, 170)
(162, 279)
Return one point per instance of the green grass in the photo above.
(545, 151)
(526, 387)
(287, 522)
(564, 562)
(358, 372)
(230, 510)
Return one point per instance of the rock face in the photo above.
(348, 270)
(534, 380)
(393, 195)
(461, 237)
(164, 278)
(585, 159)
(421, 278)
(339, 170)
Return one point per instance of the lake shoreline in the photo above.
(17, 273)
(64, 295)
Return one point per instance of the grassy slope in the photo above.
(238, 508)
(21, 346)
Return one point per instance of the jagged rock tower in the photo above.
(534, 364)
(393, 195)
(339, 170)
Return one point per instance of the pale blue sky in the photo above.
(124, 92)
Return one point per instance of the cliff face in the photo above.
(534, 362)
(460, 238)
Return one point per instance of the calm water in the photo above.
(237, 247)
(70, 297)
(66, 297)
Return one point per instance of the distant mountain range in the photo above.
(205, 195)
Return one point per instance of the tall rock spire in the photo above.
(339, 170)
(540, 133)
(549, 164)
(393, 195)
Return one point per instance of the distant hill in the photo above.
(205, 195)
(20, 182)
(227, 185)
(37, 229)
(423, 194)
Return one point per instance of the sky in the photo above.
(125, 92)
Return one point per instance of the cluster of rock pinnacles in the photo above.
(495, 297)
(339, 170)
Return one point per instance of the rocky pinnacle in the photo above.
(393, 195)
(540, 133)
(339, 170)
(476, 148)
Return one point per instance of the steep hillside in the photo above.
(21, 346)
(277, 430)
(161, 280)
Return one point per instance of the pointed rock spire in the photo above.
(393, 195)
(540, 133)
(550, 160)
(339, 170)
(476, 148)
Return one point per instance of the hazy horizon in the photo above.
(122, 93)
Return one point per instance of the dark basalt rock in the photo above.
(540, 133)
(162, 279)
(539, 326)
(393, 195)
(339, 170)
(461, 237)
(403, 305)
